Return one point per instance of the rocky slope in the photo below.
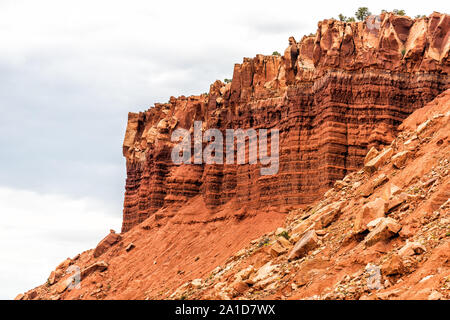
(382, 232)
(338, 98)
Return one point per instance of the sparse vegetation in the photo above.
(345, 19)
(227, 80)
(285, 235)
(342, 17)
(276, 53)
(403, 52)
(420, 16)
(264, 242)
(362, 13)
(399, 12)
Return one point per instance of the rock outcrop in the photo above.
(333, 96)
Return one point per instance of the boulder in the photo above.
(396, 201)
(285, 243)
(423, 126)
(339, 185)
(264, 272)
(20, 296)
(64, 265)
(378, 161)
(196, 283)
(308, 242)
(375, 183)
(97, 266)
(385, 229)
(240, 287)
(64, 284)
(52, 278)
(329, 214)
(374, 223)
(245, 273)
(300, 228)
(435, 295)
(393, 266)
(373, 152)
(411, 248)
(392, 190)
(399, 160)
(370, 211)
(276, 249)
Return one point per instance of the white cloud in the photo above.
(38, 231)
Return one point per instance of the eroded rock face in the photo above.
(346, 91)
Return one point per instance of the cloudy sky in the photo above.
(70, 71)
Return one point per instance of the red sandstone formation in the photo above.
(206, 231)
(333, 96)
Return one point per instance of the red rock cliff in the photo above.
(332, 96)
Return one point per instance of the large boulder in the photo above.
(373, 152)
(329, 214)
(411, 248)
(400, 159)
(308, 242)
(378, 161)
(370, 211)
(370, 187)
(106, 243)
(393, 266)
(96, 266)
(385, 229)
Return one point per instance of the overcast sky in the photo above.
(70, 71)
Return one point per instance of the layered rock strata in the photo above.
(332, 96)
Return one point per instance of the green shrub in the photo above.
(341, 17)
(285, 235)
(227, 80)
(400, 12)
(276, 53)
(362, 13)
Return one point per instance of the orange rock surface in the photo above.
(207, 231)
